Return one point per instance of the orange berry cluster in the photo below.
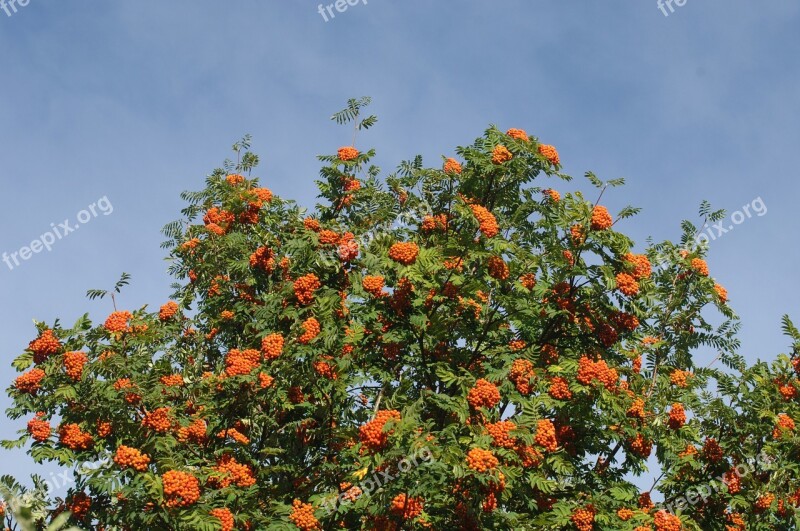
(79, 505)
(548, 355)
(498, 269)
(71, 436)
(639, 264)
(231, 472)
(172, 380)
(347, 153)
(501, 433)
(553, 195)
(452, 166)
(225, 517)
(128, 457)
(521, 373)
(546, 435)
(118, 322)
(373, 284)
(501, 154)
(601, 219)
(481, 460)
(303, 516)
(123, 384)
(181, 489)
(234, 434)
(783, 424)
(677, 417)
(406, 507)
(550, 153)
(636, 410)
(404, 252)
(589, 370)
(312, 224)
(700, 266)
(158, 420)
(712, 451)
(263, 258)
(583, 518)
(722, 293)
(519, 134)
(38, 428)
(194, 432)
(625, 514)
(486, 220)
(731, 480)
(325, 368)
(168, 310)
(678, 377)
(371, 434)
(218, 217)
(484, 394)
(234, 179)
(763, 502)
(305, 286)
(559, 389)
(348, 247)
(45, 345)
(665, 521)
(432, 223)
(528, 281)
(74, 362)
(311, 329)
(627, 284)
(104, 428)
(241, 362)
(272, 346)
(265, 380)
(328, 237)
(29, 382)
(641, 446)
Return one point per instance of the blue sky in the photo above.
(138, 101)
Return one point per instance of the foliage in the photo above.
(455, 347)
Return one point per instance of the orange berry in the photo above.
(29, 382)
(627, 284)
(484, 394)
(166, 312)
(404, 252)
(546, 435)
(303, 516)
(550, 153)
(39, 429)
(486, 220)
(311, 329)
(519, 134)
(347, 153)
(74, 362)
(481, 460)
(406, 507)
(181, 489)
(225, 517)
(452, 166)
(501, 154)
(601, 219)
(127, 457)
(45, 345)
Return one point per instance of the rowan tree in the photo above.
(463, 346)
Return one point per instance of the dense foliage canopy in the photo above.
(455, 347)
